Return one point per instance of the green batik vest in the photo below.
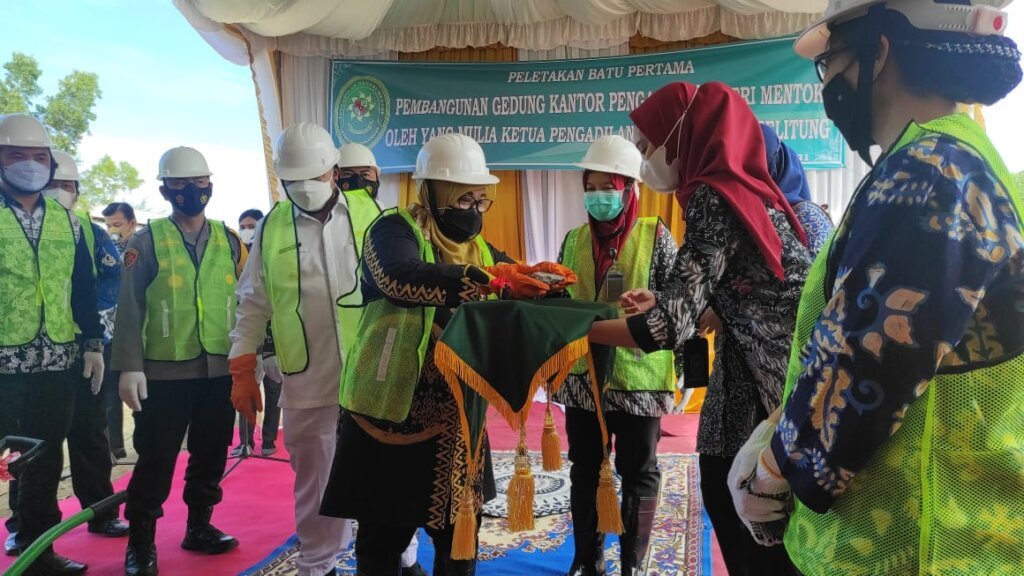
(35, 282)
(279, 249)
(188, 310)
(945, 494)
(383, 366)
(633, 371)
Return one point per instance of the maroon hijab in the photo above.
(720, 144)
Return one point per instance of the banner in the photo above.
(543, 115)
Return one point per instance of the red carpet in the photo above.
(258, 507)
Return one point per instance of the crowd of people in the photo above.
(864, 415)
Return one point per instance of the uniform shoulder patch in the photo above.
(130, 257)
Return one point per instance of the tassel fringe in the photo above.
(521, 490)
(550, 446)
(609, 517)
(464, 539)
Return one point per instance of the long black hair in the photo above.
(958, 66)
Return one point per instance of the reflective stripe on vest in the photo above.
(945, 494)
(189, 311)
(383, 366)
(279, 249)
(35, 282)
(633, 371)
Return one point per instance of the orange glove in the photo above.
(514, 284)
(555, 268)
(245, 391)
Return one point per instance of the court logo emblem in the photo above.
(362, 111)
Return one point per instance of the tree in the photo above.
(107, 181)
(68, 113)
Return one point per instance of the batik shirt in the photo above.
(816, 224)
(928, 262)
(42, 354)
(720, 266)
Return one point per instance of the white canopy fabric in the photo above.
(357, 28)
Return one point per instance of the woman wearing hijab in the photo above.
(788, 173)
(744, 256)
(400, 462)
(613, 252)
(900, 445)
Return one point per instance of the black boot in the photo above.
(638, 522)
(201, 536)
(140, 557)
(50, 563)
(588, 557)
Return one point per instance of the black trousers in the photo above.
(89, 450)
(742, 554)
(113, 405)
(636, 450)
(38, 406)
(379, 550)
(203, 408)
(271, 417)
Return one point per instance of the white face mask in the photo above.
(247, 235)
(656, 171)
(309, 195)
(65, 198)
(26, 176)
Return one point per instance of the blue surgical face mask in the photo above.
(603, 205)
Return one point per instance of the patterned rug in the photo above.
(680, 544)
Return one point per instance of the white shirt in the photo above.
(327, 269)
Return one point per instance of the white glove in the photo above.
(133, 389)
(272, 370)
(92, 368)
(760, 493)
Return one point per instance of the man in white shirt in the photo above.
(304, 260)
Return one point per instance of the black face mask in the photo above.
(461, 225)
(190, 200)
(843, 106)
(357, 182)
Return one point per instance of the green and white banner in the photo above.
(543, 115)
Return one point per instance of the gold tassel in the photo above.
(609, 517)
(464, 539)
(521, 489)
(550, 446)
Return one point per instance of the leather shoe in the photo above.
(114, 528)
(11, 547)
(208, 540)
(414, 570)
(141, 560)
(52, 564)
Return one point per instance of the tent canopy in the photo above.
(364, 27)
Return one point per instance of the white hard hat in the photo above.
(66, 167)
(23, 130)
(303, 152)
(982, 17)
(183, 162)
(614, 155)
(353, 155)
(453, 158)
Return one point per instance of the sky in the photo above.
(163, 86)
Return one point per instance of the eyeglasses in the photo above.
(821, 61)
(466, 202)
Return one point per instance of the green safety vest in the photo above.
(945, 494)
(35, 282)
(383, 366)
(633, 371)
(189, 311)
(279, 249)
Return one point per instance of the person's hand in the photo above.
(637, 301)
(272, 369)
(132, 387)
(92, 368)
(760, 493)
(569, 277)
(709, 322)
(512, 283)
(245, 391)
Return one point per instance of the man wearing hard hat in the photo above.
(88, 444)
(175, 314)
(47, 289)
